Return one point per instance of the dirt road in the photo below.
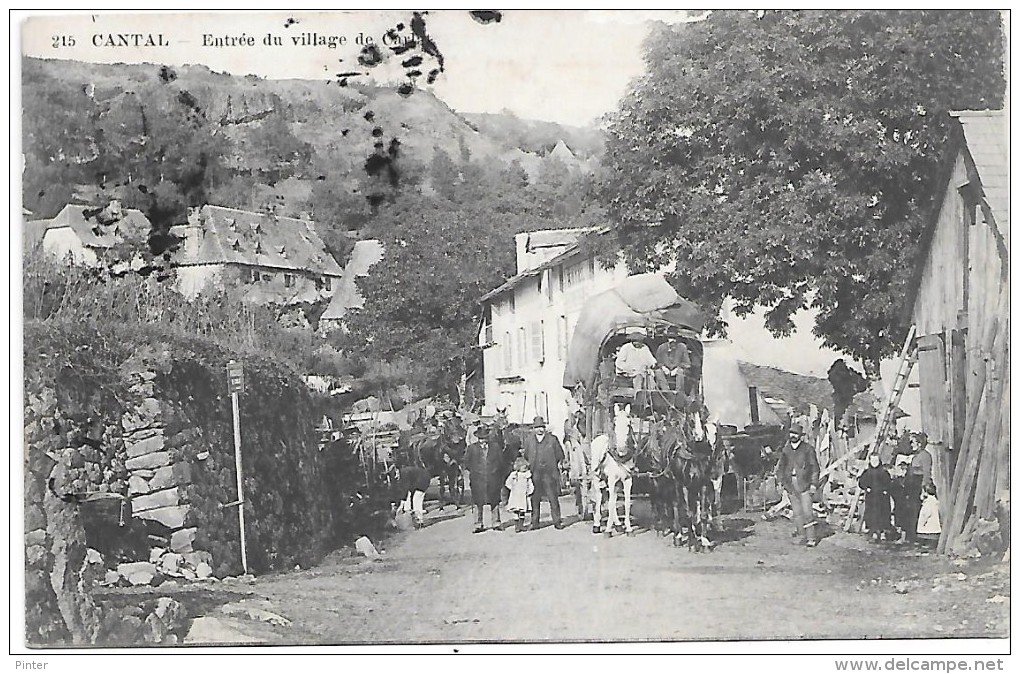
(445, 584)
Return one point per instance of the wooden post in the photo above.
(240, 479)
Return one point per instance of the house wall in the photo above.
(271, 285)
(193, 278)
(940, 298)
(957, 311)
(62, 242)
(530, 334)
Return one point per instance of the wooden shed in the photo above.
(959, 304)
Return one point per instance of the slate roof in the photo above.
(570, 249)
(787, 391)
(232, 236)
(32, 233)
(366, 253)
(97, 229)
(987, 136)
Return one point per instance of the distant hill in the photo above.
(284, 135)
(537, 137)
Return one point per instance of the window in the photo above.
(522, 347)
(487, 333)
(327, 282)
(538, 341)
(508, 353)
(542, 404)
(547, 285)
(575, 273)
(288, 280)
(559, 272)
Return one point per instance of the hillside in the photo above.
(279, 137)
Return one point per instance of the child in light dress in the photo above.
(521, 488)
(929, 526)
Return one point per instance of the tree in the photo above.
(789, 159)
(421, 299)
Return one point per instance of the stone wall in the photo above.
(129, 477)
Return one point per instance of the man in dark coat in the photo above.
(798, 474)
(485, 463)
(545, 456)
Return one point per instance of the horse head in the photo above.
(621, 425)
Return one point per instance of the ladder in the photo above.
(887, 421)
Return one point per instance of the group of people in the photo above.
(900, 501)
(534, 476)
(667, 368)
(514, 471)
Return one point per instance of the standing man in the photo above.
(578, 459)
(544, 455)
(484, 464)
(798, 474)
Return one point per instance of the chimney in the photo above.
(523, 263)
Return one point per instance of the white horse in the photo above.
(605, 465)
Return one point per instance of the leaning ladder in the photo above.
(908, 356)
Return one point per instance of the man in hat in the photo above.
(484, 465)
(635, 360)
(545, 456)
(798, 474)
(674, 362)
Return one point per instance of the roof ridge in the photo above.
(264, 215)
(977, 113)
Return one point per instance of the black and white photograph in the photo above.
(512, 331)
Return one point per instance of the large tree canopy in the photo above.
(789, 159)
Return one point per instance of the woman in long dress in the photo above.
(875, 482)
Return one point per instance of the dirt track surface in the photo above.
(443, 584)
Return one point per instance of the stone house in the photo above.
(276, 260)
(85, 235)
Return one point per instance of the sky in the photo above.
(563, 66)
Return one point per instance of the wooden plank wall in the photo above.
(982, 472)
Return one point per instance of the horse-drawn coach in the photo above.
(634, 368)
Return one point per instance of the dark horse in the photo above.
(440, 450)
(693, 465)
(653, 459)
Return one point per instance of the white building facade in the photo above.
(528, 322)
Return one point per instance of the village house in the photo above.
(277, 260)
(528, 320)
(527, 323)
(365, 253)
(959, 305)
(86, 235)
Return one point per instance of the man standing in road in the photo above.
(798, 474)
(545, 455)
(484, 464)
(578, 451)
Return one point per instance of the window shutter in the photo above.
(522, 347)
(508, 353)
(538, 341)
